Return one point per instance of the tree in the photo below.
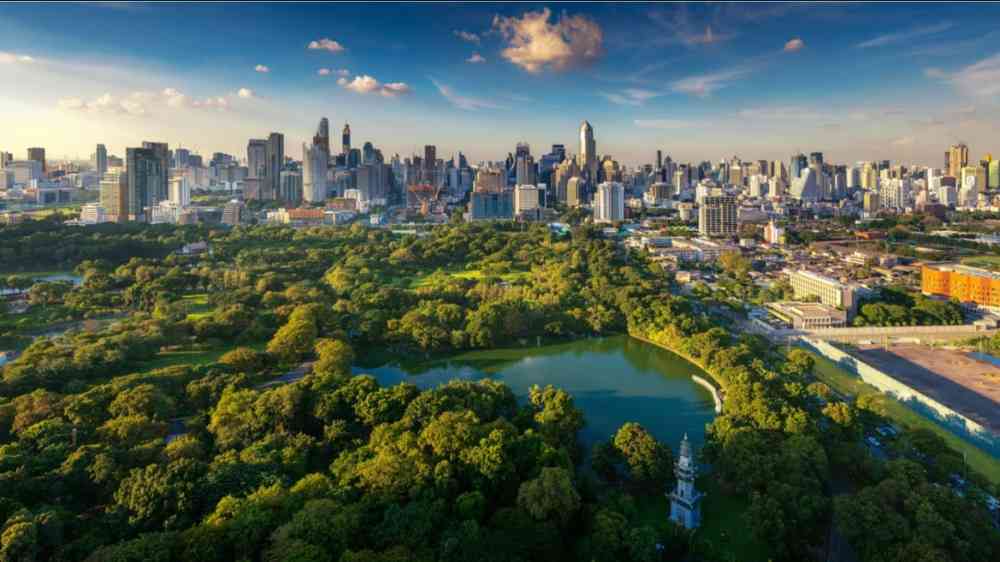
(551, 496)
(334, 358)
(294, 340)
(649, 462)
(557, 416)
(244, 359)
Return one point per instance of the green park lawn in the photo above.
(194, 358)
(847, 384)
(197, 306)
(428, 279)
(984, 261)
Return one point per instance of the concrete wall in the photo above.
(915, 400)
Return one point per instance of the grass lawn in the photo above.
(37, 274)
(723, 528)
(850, 385)
(985, 262)
(190, 357)
(197, 306)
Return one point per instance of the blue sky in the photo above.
(697, 81)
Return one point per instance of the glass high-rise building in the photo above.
(146, 174)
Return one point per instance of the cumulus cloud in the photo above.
(467, 36)
(365, 84)
(794, 45)
(245, 93)
(904, 36)
(630, 96)
(476, 58)
(325, 44)
(661, 123)
(535, 45)
(704, 85)
(262, 68)
(463, 102)
(14, 58)
(176, 99)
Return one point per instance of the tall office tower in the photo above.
(232, 213)
(870, 202)
(588, 152)
(566, 170)
(488, 180)
(430, 164)
(256, 158)
(797, 164)
(609, 202)
(5, 158)
(181, 158)
(717, 216)
(659, 159)
(816, 159)
(314, 165)
(38, 155)
(114, 196)
(528, 198)
(993, 174)
(162, 152)
(345, 146)
(291, 185)
(956, 158)
(368, 153)
(322, 137)
(146, 175)
(575, 191)
(101, 159)
(525, 172)
(275, 163)
(523, 149)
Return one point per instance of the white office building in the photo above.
(609, 202)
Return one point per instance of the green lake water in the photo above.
(613, 380)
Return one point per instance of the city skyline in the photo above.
(697, 82)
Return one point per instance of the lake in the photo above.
(613, 380)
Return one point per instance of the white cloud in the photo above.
(794, 45)
(323, 72)
(536, 45)
(662, 123)
(133, 104)
(467, 36)
(464, 102)
(262, 68)
(903, 36)
(14, 58)
(365, 84)
(476, 58)
(631, 96)
(325, 44)
(980, 79)
(245, 93)
(329, 71)
(783, 112)
(704, 85)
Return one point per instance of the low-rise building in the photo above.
(808, 315)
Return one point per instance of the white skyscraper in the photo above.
(180, 191)
(314, 165)
(609, 203)
(588, 151)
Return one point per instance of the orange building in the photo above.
(967, 284)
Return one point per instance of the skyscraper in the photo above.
(101, 159)
(346, 141)
(114, 196)
(430, 164)
(256, 158)
(609, 203)
(588, 151)
(146, 174)
(38, 155)
(956, 158)
(797, 164)
(322, 137)
(162, 151)
(314, 165)
(275, 163)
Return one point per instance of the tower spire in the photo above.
(685, 500)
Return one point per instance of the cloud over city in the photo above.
(535, 44)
